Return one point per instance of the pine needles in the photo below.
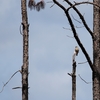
(38, 6)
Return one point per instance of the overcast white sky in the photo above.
(50, 52)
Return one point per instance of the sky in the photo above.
(50, 52)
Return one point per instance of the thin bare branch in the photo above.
(84, 80)
(49, 1)
(76, 19)
(70, 30)
(81, 17)
(9, 80)
(84, 2)
(17, 88)
(67, 28)
(79, 26)
(70, 74)
(82, 62)
(52, 5)
(75, 26)
(20, 30)
(69, 36)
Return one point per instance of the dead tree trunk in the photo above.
(76, 51)
(25, 51)
(96, 51)
(73, 74)
(74, 82)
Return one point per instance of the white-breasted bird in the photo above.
(76, 50)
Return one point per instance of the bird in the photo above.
(76, 50)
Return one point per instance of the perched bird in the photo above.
(76, 50)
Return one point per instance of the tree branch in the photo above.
(78, 40)
(84, 2)
(82, 62)
(9, 80)
(76, 35)
(20, 29)
(76, 19)
(81, 17)
(84, 80)
(62, 7)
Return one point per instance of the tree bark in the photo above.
(74, 82)
(96, 51)
(96, 86)
(25, 51)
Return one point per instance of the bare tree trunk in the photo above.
(96, 51)
(25, 51)
(74, 82)
(96, 87)
(73, 74)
